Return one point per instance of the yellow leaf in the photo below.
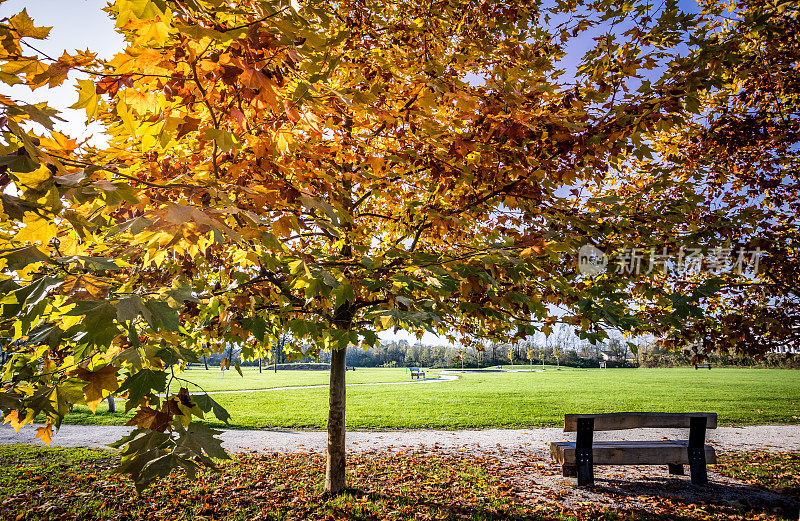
(23, 25)
(257, 81)
(53, 76)
(95, 286)
(147, 418)
(13, 419)
(140, 102)
(36, 229)
(34, 179)
(153, 31)
(282, 141)
(45, 433)
(101, 384)
(87, 98)
(148, 61)
(283, 226)
(386, 321)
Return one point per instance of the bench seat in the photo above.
(665, 452)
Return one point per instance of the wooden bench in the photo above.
(578, 458)
(417, 373)
(703, 365)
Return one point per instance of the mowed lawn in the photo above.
(214, 380)
(522, 399)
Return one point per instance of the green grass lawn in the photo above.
(483, 400)
(213, 379)
(533, 367)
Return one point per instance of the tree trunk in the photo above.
(111, 406)
(205, 361)
(335, 467)
(259, 366)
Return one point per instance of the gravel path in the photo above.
(762, 437)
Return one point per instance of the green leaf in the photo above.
(130, 308)
(135, 226)
(257, 327)
(161, 466)
(168, 355)
(162, 316)
(145, 381)
(206, 404)
(26, 297)
(91, 263)
(199, 438)
(98, 326)
(18, 258)
(225, 140)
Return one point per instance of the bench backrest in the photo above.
(617, 421)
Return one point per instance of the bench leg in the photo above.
(585, 473)
(675, 469)
(697, 451)
(697, 468)
(583, 451)
(698, 472)
(569, 471)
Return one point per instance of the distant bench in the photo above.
(578, 458)
(417, 373)
(703, 365)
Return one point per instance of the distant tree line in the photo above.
(562, 347)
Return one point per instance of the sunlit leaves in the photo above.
(99, 384)
(45, 433)
(87, 98)
(23, 26)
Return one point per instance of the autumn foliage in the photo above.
(333, 171)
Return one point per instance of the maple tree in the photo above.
(726, 178)
(330, 172)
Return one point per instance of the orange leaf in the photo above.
(45, 433)
(283, 226)
(95, 286)
(238, 117)
(13, 418)
(257, 81)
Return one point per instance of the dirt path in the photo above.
(534, 441)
